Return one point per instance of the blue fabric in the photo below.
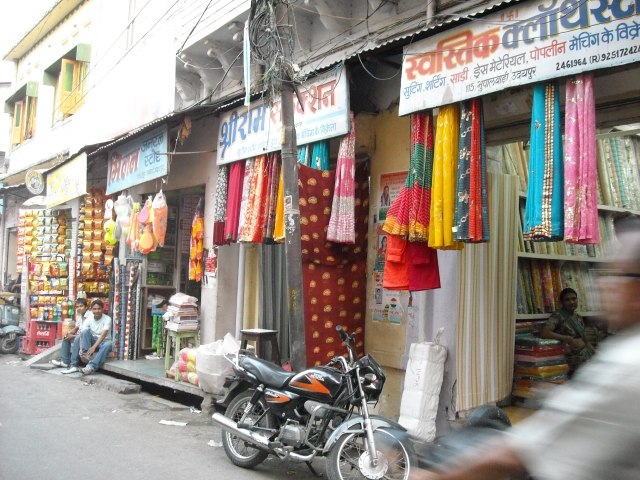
(65, 351)
(320, 155)
(543, 156)
(303, 155)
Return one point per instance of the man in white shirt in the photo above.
(68, 339)
(96, 334)
(588, 429)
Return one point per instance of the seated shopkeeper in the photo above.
(568, 327)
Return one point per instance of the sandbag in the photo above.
(422, 383)
(212, 365)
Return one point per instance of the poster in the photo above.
(389, 189)
(386, 303)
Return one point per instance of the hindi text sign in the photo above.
(67, 182)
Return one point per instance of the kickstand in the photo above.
(313, 470)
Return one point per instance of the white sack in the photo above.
(211, 364)
(422, 383)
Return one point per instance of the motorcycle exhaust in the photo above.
(260, 441)
(225, 423)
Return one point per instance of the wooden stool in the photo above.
(167, 349)
(261, 337)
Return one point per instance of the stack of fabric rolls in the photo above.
(540, 364)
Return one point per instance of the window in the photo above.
(22, 104)
(70, 88)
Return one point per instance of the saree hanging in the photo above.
(409, 214)
(246, 190)
(544, 216)
(320, 155)
(342, 221)
(580, 163)
(253, 226)
(443, 189)
(303, 155)
(271, 198)
(472, 211)
(234, 200)
(220, 214)
(278, 230)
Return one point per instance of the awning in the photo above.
(15, 179)
(410, 24)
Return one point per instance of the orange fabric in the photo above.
(396, 267)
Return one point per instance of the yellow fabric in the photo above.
(443, 186)
(278, 231)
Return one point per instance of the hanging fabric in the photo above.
(246, 189)
(443, 190)
(278, 231)
(320, 155)
(580, 163)
(544, 215)
(472, 213)
(234, 200)
(220, 213)
(409, 215)
(253, 226)
(341, 223)
(272, 198)
(303, 155)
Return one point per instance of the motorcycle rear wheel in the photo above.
(349, 458)
(241, 453)
(9, 346)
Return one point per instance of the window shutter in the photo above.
(30, 118)
(67, 88)
(16, 132)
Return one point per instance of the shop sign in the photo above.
(252, 130)
(138, 161)
(34, 182)
(67, 182)
(530, 42)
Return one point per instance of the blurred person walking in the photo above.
(588, 429)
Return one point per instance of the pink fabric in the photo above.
(580, 167)
(342, 221)
(246, 190)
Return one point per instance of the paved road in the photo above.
(54, 427)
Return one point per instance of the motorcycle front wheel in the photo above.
(349, 458)
(8, 345)
(241, 453)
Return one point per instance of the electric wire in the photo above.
(194, 27)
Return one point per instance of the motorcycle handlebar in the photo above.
(342, 333)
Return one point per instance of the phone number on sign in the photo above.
(621, 52)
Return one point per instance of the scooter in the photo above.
(10, 331)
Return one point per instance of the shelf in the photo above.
(604, 208)
(165, 287)
(569, 258)
(542, 316)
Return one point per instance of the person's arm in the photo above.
(95, 346)
(498, 464)
(548, 331)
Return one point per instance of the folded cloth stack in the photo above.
(539, 364)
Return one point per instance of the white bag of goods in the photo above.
(422, 383)
(212, 365)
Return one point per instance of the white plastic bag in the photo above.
(422, 383)
(211, 364)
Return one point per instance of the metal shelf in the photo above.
(603, 208)
(542, 316)
(569, 258)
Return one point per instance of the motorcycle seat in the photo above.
(266, 372)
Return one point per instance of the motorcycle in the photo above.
(300, 416)
(10, 331)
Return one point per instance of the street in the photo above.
(53, 427)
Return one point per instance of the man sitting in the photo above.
(68, 339)
(96, 334)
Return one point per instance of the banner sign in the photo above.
(67, 182)
(138, 161)
(533, 41)
(252, 130)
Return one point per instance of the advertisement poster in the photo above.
(67, 182)
(530, 42)
(386, 304)
(389, 188)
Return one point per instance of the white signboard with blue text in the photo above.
(252, 130)
(138, 161)
(526, 43)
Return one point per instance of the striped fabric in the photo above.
(486, 286)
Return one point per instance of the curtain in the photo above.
(486, 286)
(273, 312)
(580, 163)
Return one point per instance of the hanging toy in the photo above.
(146, 243)
(123, 207)
(160, 213)
(144, 215)
(109, 225)
(134, 229)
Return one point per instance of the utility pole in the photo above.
(293, 249)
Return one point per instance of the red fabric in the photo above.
(396, 266)
(334, 275)
(234, 199)
(423, 267)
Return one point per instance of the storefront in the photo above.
(477, 85)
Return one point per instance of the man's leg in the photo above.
(75, 352)
(101, 356)
(65, 351)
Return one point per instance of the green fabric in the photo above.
(578, 327)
